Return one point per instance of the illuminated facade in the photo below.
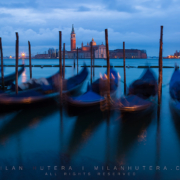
(176, 55)
(99, 51)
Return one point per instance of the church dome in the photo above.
(93, 42)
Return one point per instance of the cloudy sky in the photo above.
(137, 22)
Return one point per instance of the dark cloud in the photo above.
(121, 6)
(136, 22)
(83, 8)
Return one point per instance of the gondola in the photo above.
(141, 96)
(42, 95)
(174, 90)
(35, 83)
(94, 97)
(11, 77)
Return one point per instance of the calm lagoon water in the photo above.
(42, 137)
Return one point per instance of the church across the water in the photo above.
(99, 51)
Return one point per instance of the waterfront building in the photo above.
(84, 52)
(52, 53)
(129, 53)
(99, 51)
(177, 54)
(42, 56)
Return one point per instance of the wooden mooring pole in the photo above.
(160, 71)
(91, 61)
(77, 60)
(124, 64)
(108, 67)
(2, 70)
(60, 65)
(74, 63)
(63, 60)
(60, 56)
(30, 66)
(17, 58)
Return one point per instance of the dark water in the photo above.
(131, 149)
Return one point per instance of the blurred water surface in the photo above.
(47, 136)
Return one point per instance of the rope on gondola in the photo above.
(104, 105)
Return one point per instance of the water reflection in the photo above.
(84, 127)
(24, 119)
(24, 76)
(89, 137)
(158, 138)
(23, 61)
(108, 148)
(131, 131)
(175, 118)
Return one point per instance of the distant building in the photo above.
(129, 53)
(52, 53)
(99, 51)
(177, 54)
(41, 56)
(84, 52)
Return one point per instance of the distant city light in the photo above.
(10, 56)
(23, 54)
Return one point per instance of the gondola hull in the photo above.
(94, 98)
(141, 99)
(79, 108)
(8, 106)
(39, 97)
(174, 90)
(134, 113)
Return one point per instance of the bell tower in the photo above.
(73, 39)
